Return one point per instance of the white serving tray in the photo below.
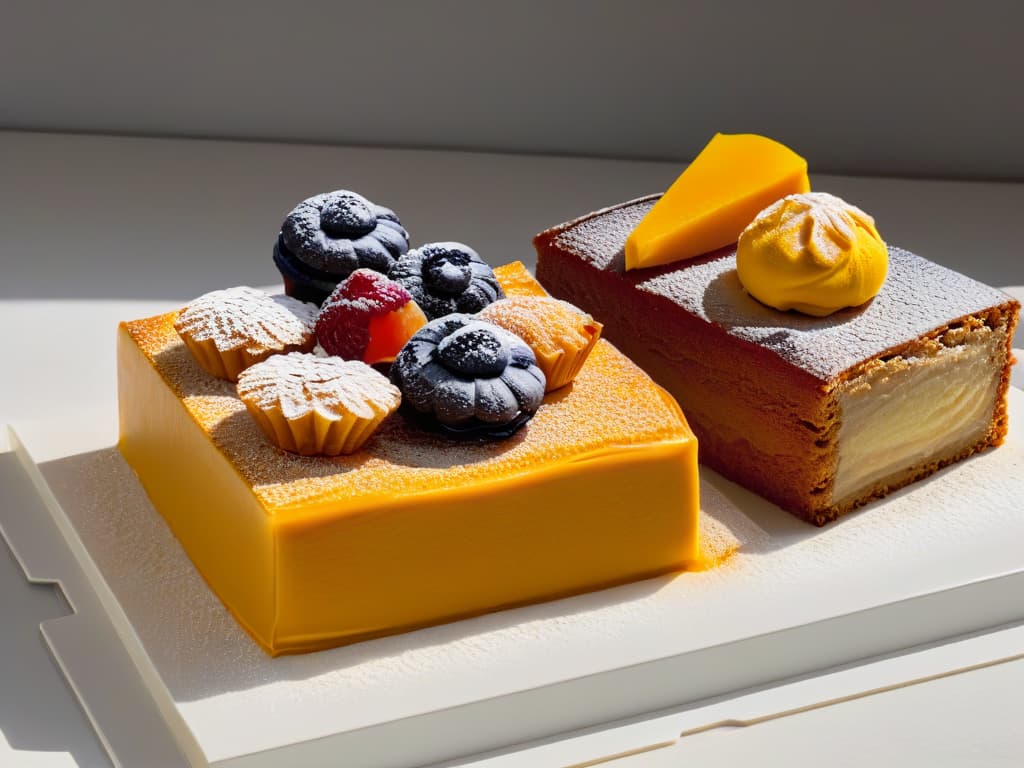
(931, 562)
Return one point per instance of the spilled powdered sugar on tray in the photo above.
(786, 571)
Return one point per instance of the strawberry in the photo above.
(368, 317)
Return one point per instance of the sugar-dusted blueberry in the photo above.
(302, 282)
(346, 214)
(327, 237)
(447, 277)
(475, 350)
(446, 271)
(469, 377)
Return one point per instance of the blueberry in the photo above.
(469, 378)
(446, 271)
(445, 278)
(496, 403)
(334, 234)
(301, 281)
(347, 215)
(474, 351)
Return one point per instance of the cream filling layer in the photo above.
(909, 411)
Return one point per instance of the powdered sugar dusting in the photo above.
(917, 297)
(818, 221)
(367, 292)
(298, 384)
(343, 325)
(548, 325)
(610, 406)
(247, 318)
(960, 527)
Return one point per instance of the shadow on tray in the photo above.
(202, 651)
(33, 692)
(195, 643)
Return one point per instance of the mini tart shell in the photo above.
(230, 330)
(330, 430)
(314, 434)
(229, 363)
(560, 334)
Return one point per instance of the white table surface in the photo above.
(96, 228)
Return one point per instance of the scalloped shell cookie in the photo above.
(314, 405)
(229, 330)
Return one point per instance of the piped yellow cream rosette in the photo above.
(560, 334)
(314, 405)
(812, 252)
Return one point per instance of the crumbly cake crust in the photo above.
(1003, 318)
(758, 385)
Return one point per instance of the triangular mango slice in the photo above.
(733, 179)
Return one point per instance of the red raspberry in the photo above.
(368, 317)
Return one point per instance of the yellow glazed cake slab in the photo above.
(599, 488)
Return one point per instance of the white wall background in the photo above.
(895, 88)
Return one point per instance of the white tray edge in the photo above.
(86, 646)
(542, 712)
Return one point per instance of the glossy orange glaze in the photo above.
(599, 488)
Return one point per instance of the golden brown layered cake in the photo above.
(411, 529)
(818, 414)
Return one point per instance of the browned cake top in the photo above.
(918, 296)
